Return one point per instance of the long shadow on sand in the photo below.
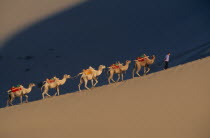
(102, 32)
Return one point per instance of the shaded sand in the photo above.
(19, 14)
(169, 104)
(92, 33)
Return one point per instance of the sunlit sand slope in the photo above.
(169, 104)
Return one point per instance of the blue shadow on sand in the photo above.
(103, 32)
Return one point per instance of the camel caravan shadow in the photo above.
(99, 32)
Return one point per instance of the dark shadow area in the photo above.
(103, 32)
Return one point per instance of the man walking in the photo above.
(166, 60)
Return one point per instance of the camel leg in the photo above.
(110, 78)
(133, 72)
(26, 98)
(109, 81)
(86, 81)
(92, 83)
(147, 70)
(134, 69)
(58, 91)
(46, 89)
(43, 95)
(48, 94)
(118, 77)
(80, 83)
(8, 101)
(96, 82)
(12, 98)
(122, 76)
(21, 99)
(137, 69)
(137, 72)
(45, 92)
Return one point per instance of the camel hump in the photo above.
(51, 80)
(88, 71)
(16, 88)
(90, 67)
(115, 66)
(140, 59)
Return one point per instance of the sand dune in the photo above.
(169, 104)
(51, 37)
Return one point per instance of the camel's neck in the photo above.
(126, 66)
(28, 90)
(62, 81)
(151, 61)
(99, 71)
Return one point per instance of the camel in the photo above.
(90, 74)
(145, 64)
(54, 85)
(118, 71)
(20, 93)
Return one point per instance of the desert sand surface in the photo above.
(19, 14)
(173, 103)
(46, 38)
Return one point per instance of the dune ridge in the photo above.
(171, 103)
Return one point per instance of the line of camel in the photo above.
(86, 75)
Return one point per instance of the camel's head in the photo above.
(153, 56)
(32, 85)
(67, 76)
(102, 66)
(128, 61)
